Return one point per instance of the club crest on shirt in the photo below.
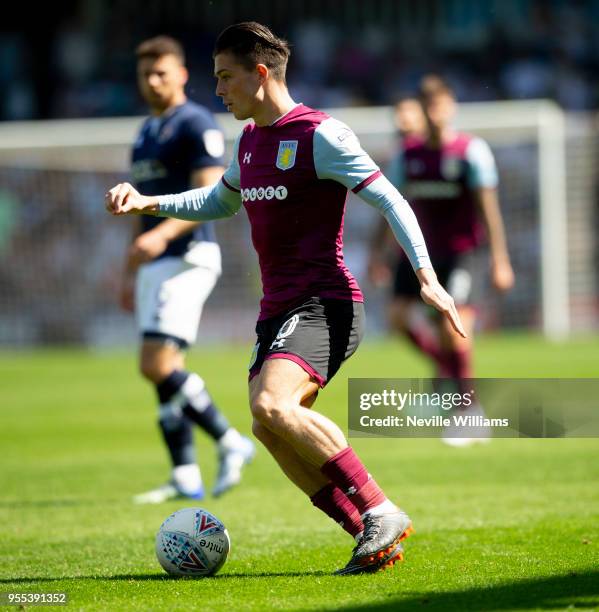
(166, 133)
(286, 154)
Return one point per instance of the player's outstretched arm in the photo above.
(482, 179)
(401, 219)
(124, 199)
(204, 204)
(502, 274)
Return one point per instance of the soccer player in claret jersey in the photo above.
(291, 170)
(450, 179)
(171, 268)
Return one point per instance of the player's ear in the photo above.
(184, 75)
(262, 71)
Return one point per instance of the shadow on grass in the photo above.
(163, 577)
(58, 503)
(576, 589)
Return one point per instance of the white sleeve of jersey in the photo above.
(232, 173)
(482, 171)
(213, 202)
(203, 204)
(383, 196)
(338, 156)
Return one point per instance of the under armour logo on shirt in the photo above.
(247, 158)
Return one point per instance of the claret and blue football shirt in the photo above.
(293, 177)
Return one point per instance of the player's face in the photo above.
(238, 87)
(161, 81)
(440, 109)
(409, 118)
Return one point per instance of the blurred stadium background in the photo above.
(524, 70)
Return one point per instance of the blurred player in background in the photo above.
(409, 117)
(291, 170)
(172, 267)
(450, 179)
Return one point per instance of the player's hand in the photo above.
(433, 294)
(146, 247)
(125, 199)
(502, 275)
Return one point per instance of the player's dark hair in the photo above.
(433, 85)
(253, 43)
(158, 46)
(406, 97)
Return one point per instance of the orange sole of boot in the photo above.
(391, 562)
(407, 533)
(399, 556)
(376, 558)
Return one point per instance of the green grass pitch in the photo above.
(512, 525)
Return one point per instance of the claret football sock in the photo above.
(422, 333)
(459, 363)
(426, 341)
(347, 471)
(334, 503)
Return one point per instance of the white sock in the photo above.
(383, 508)
(188, 478)
(230, 440)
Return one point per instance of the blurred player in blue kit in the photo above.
(171, 268)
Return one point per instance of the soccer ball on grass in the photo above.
(192, 542)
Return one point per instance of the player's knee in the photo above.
(261, 432)
(149, 369)
(262, 406)
(268, 410)
(153, 369)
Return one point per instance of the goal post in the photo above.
(546, 121)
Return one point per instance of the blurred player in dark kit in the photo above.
(172, 267)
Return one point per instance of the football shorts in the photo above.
(169, 297)
(459, 274)
(319, 335)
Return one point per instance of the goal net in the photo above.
(62, 255)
